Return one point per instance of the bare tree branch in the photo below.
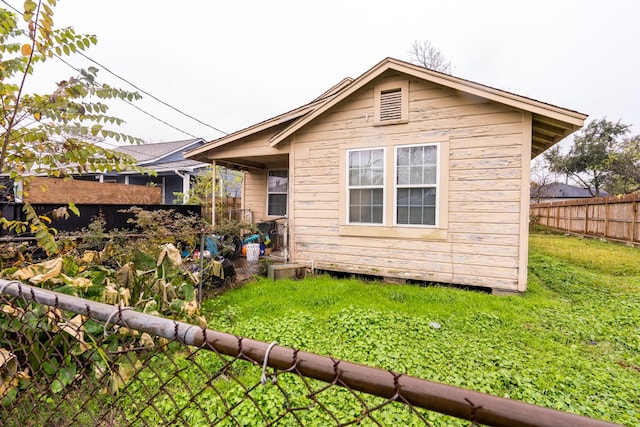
(425, 54)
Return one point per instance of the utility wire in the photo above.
(132, 104)
(152, 96)
(137, 88)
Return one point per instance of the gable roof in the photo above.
(147, 154)
(550, 123)
(272, 122)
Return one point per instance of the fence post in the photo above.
(634, 220)
(586, 219)
(201, 267)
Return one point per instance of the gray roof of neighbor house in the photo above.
(164, 155)
(558, 190)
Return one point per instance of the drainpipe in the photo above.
(185, 185)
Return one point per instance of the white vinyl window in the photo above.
(366, 186)
(417, 185)
(277, 189)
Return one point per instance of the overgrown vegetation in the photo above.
(57, 134)
(571, 342)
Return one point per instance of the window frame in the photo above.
(382, 186)
(286, 193)
(436, 185)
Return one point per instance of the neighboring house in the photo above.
(404, 173)
(557, 191)
(174, 172)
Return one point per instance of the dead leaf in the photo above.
(75, 328)
(125, 275)
(26, 49)
(171, 253)
(38, 273)
(109, 295)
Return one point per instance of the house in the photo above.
(558, 191)
(404, 173)
(174, 172)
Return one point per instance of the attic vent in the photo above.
(391, 105)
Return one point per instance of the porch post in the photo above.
(213, 194)
(186, 187)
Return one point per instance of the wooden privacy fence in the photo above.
(614, 218)
(57, 190)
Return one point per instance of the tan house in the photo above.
(403, 173)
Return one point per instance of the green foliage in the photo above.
(625, 166)
(202, 186)
(57, 133)
(561, 345)
(596, 156)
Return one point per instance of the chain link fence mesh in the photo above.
(65, 361)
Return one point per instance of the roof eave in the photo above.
(536, 107)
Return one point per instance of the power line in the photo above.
(152, 96)
(137, 88)
(133, 105)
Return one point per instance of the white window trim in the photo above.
(383, 186)
(269, 193)
(395, 186)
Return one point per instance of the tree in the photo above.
(57, 133)
(227, 181)
(541, 178)
(625, 167)
(590, 158)
(425, 54)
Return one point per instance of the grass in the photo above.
(572, 342)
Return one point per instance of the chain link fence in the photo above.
(67, 361)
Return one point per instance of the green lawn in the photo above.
(572, 342)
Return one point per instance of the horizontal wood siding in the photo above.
(484, 186)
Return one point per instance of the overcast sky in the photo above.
(234, 63)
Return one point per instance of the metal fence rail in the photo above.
(67, 361)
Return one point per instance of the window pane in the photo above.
(429, 173)
(429, 216)
(430, 154)
(354, 177)
(365, 197)
(365, 206)
(377, 177)
(416, 175)
(403, 197)
(429, 197)
(277, 204)
(415, 197)
(365, 214)
(277, 181)
(416, 206)
(354, 159)
(416, 155)
(415, 215)
(376, 215)
(403, 175)
(403, 215)
(403, 157)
